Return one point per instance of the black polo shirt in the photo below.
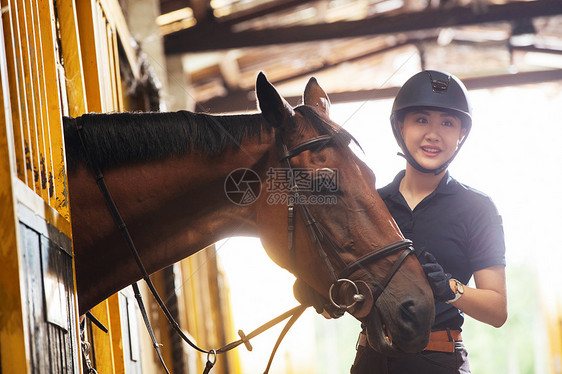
(459, 225)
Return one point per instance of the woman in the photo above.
(456, 230)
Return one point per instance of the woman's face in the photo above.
(431, 136)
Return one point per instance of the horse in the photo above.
(183, 181)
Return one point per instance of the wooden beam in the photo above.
(239, 100)
(261, 10)
(217, 36)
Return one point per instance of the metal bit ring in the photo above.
(357, 297)
(212, 354)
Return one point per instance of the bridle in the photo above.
(363, 296)
(362, 292)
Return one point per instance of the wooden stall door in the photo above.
(38, 313)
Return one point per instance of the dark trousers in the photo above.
(367, 361)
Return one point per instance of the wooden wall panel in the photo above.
(49, 296)
(38, 321)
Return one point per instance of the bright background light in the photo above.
(514, 155)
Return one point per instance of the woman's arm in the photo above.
(488, 301)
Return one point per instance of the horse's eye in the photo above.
(326, 180)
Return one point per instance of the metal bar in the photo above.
(113, 67)
(120, 106)
(57, 177)
(71, 52)
(22, 70)
(11, 53)
(92, 84)
(31, 137)
(103, 60)
(41, 122)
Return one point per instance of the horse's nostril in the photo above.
(407, 311)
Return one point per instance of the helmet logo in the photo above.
(439, 86)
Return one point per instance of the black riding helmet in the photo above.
(436, 90)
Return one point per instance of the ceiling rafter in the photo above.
(244, 101)
(237, 98)
(356, 58)
(261, 11)
(216, 36)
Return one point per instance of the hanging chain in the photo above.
(86, 349)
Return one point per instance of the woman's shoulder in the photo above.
(472, 198)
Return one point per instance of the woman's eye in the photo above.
(421, 120)
(451, 122)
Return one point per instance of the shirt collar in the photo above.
(448, 185)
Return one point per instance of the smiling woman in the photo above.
(432, 138)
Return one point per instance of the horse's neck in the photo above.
(173, 208)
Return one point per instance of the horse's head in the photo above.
(320, 216)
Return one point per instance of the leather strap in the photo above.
(306, 145)
(443, 341)
(439, 341)
(405, 244)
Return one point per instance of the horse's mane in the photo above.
(120, 138)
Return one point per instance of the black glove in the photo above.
(438, 279)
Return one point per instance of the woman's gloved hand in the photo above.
(438, 279)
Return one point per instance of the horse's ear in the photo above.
(316, 97)
(274, 108)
